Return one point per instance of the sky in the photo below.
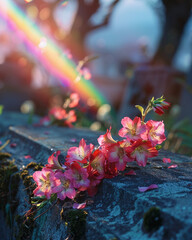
(134, 24)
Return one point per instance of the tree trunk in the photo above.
(177, 13)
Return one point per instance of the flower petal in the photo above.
(79, 205)
(144, 189)
(173, 166)
(27, 156)
(166, 160)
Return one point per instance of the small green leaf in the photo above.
(40, 205)
(158, 147)
(1, 109)
(141, 109)
(53, 198)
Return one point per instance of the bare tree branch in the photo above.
(106, 19)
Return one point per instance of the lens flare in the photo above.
(52, 57)
(64, 3)
(28, 1)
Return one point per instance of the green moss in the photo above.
(4, 155)
(9, 183)
(152, 220)
(75, 221)
(25, 227)
(27, 179)
(35, 166)
(24, 173)
(26, 223)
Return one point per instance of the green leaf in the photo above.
(40, 205)
(1, 109)
(158, 147)
(141, 109)
(53, 198)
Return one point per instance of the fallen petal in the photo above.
(173, 166)
(144, 189)
(13, 145)
(166, 160)
(79, 205)
(131, 172)
(27, 156)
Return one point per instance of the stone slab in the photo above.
(8, 119)
(118, 207)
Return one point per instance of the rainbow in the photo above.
(51, 55)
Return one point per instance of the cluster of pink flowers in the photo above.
(65, 115)
(86, 166)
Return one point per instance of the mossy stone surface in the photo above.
(118, 208)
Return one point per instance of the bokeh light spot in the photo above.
(60, 34)
(91, 102)
(64, 3)
(32, 11)
(43, 43)
(27, 107)
(103, 112)
(22, 62)
(44, 14)
(28, 1)
(95, 126)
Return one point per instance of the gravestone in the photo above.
(186, 98)
(146, 83)
(117, 210)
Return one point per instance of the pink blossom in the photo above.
(160, 106)
(45, 121)
(155, 133)
(53, 161)
(58, 113)
(70, 118)
(79, 205)
(13, 145)
(165, 104)
(106, 139)
(97, 161)
(116, 153)
(158, 110)
(78, 176)
(140, 151)
(74, 100)
(132, 129)
(173, 166)
(144, 189)
(95, 168)
(86, 73)
(166, 160)
(27, 157)
(110, 169)
(46, 181)
(80, 154)
(65, 188)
